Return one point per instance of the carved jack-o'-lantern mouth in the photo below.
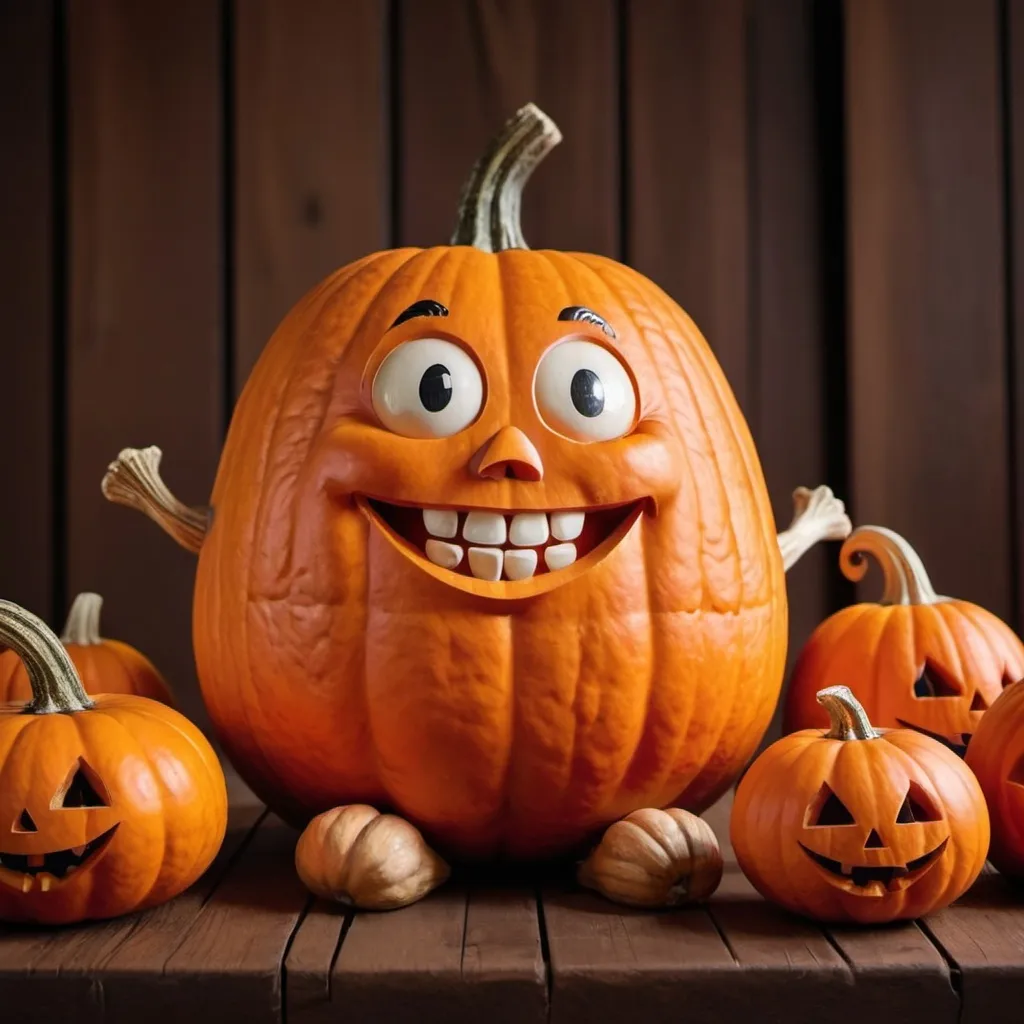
(23, 871)
(875, 879)
(503, 553)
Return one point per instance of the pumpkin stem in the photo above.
(83, 623)
(489, 208)
(906, 579)
(817, 515)
(133, 479)
(56, 686)
(849, 719)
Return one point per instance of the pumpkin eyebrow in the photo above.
(425, 307)
(587, 316)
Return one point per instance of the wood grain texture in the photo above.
(688, 190)
(465, 67)
(309, 962)
(927, 334)
(145, 343)
(311, 162)
(983, 935)
(787, 408)
(29, 299)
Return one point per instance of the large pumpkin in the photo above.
(921, 661)
(103, 665)
(108, 804)
(490, 544)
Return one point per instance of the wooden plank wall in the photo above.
(831, 190)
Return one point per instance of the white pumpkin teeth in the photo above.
(78, 850)
(486, 563)
(529, 529)
(484, 528)
(567, 525)
(520, 565)
(558, 556)
(442, 553)
(441, 522)
(26, 883)
(45, 881)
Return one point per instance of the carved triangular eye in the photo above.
(978, 703)
(1009, 680)
(934, 682)
(82, 789)
(917, 807)
(828, 809)
(25, 823)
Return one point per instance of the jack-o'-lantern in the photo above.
(921, 661)
(859, 824)
(109, 804)
(104, 665)
(490, 545)
(996, 755)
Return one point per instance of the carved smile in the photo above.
(23, 871)
(960, 749)
(875, 880)
(504, 553)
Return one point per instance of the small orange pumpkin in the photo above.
(996, 756)
(104, 666)
(859, 824)
(108, 804)
(922, 662)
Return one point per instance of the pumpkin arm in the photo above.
(817, 515)
(133, 480)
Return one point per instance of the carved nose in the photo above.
(874, 842)
(510, 453)
(25, 823)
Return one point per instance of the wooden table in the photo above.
(248, 944)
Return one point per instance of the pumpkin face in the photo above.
(857, 824)
(103, 665)
(922, 662)
(107, 805)
(491, 547)
(997, 758)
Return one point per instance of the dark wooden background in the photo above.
(832, 191)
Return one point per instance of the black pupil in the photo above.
(587, 393)
(436, 387)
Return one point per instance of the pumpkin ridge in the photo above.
(951, 639)
(998, 639)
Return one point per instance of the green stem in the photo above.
(56, 687)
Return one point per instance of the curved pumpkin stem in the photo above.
(906, 579)
(489, 208)
(133, 479)
(817, 515)
(83, 622)
(56, 686)
(849, 719)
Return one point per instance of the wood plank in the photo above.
(226, 963)
(787, 409)
(484, 60)
(309, 963)
(28, 294)
(927, 339)
(311, 176)
(687, 194)
(145, 344)
(76, 973)
(983, 934)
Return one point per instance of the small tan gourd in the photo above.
(655, 858)
(358, 856)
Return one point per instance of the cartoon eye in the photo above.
(584, 392)
(828, 809)
(917, 806)
(427, 388)
(933, 682)
(82, 790)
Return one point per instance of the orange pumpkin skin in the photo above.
(996, 755)
(777, 819)
(156, 783)
(498, 717)
(105, 666)
(932, 664)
